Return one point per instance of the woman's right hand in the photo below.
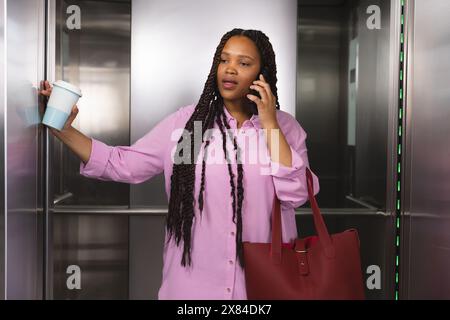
(45, 92)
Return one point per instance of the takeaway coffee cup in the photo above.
(64, 96)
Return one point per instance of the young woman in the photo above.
(214, 205)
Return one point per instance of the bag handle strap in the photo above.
(275, 248)
(321, 228)
(320, 225)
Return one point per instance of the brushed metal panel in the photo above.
(47, 186)
(2, 149)
(25, 65)
(97, 59)
(347, 100)
(146, 252)
(320, 63)
(331, 38)
(426, 249)
(98, 246)
(373, 106)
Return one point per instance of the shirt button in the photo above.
(232, 233)
(228, 289)
(230, 261)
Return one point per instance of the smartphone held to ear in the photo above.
(256, 93)
(264, 73)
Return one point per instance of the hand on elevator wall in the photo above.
(45, 92)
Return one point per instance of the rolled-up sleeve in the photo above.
(131, 164)
(290, 182)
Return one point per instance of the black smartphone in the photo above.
(264, 73)
(253, 106)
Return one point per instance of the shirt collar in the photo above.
(254, 120)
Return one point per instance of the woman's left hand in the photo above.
(266, 105)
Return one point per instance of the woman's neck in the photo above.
(237, 110)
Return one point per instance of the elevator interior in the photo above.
(347, 88)
(339, 62)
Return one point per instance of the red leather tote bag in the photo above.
(325, 266)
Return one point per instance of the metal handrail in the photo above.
(110, 210)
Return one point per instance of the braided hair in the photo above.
(209, 110)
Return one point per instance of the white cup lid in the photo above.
(68, 86)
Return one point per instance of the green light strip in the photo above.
(399, 148)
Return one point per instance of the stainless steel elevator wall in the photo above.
(425, 257)
(95, 57)
(23, 42)
(344, 102)
(2, 150)
(343, 98)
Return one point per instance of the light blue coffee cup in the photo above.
(64, 96)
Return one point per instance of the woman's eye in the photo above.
(243, 63)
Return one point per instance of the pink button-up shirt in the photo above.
(215, 272)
